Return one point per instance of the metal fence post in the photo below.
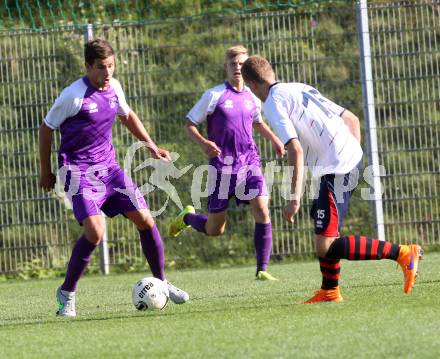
(103, 246)
(88, 33)
(369, 114)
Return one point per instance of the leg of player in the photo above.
(216, 223)
(262, 236)
(151, 241)
(331, 250)
(82, 250)
(212, 224)
(328, 214)
(363, 248)
(178, 224)
(153, 249)
(330, 271)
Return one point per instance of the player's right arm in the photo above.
(208, 147)
(198, 114)
(66, 105)
(47, 178)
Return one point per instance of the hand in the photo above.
(211, 149)
(47, 181)
(160, 154)
(290, 210)
(278, 147)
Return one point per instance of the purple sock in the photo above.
(78, 262)
(197, 221)
(263, 244)
(152, 246)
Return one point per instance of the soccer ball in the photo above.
(150, 294)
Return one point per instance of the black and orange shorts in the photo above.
(332, 202)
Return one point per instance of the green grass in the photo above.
(230, 315)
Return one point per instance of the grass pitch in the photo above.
(230, 315)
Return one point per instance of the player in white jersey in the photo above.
(326, 137)
(316, 121)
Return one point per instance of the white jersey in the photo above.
(296, 110)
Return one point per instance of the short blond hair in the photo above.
(235, 51)
(258, 69)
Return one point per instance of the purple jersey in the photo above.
(230, 115)
(85, 117)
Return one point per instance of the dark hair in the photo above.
(97, 49)
(257, 68)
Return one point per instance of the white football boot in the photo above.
(177, 295)
(66, 303)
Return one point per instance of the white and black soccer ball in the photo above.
(150, 294)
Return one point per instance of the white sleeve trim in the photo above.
(257, 118)
(206, 105)
(68, 104)
(188, 117)
(123, 109)
(49, 124)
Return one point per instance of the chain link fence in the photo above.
(164, 67)
(406, 74)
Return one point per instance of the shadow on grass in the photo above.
(393, 284)
(140, 315)
(295, 298)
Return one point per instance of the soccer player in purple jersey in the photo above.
(232, 112)
(84, 113)
(326, 137)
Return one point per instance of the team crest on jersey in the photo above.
(112, 102)
(229, 104)
(93, 107)
(248, 104)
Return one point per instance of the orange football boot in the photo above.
(408, 259)
(326, 295)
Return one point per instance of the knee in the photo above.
(321, 252)
(144, 223)
(322, 245)
(261, 214)
(217, 231)
(95, 234)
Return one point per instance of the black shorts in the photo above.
(333, 200)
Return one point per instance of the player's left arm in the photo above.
(264, 130)
(295, 159)
(135, 126)
(277, 113)
(352, 122)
